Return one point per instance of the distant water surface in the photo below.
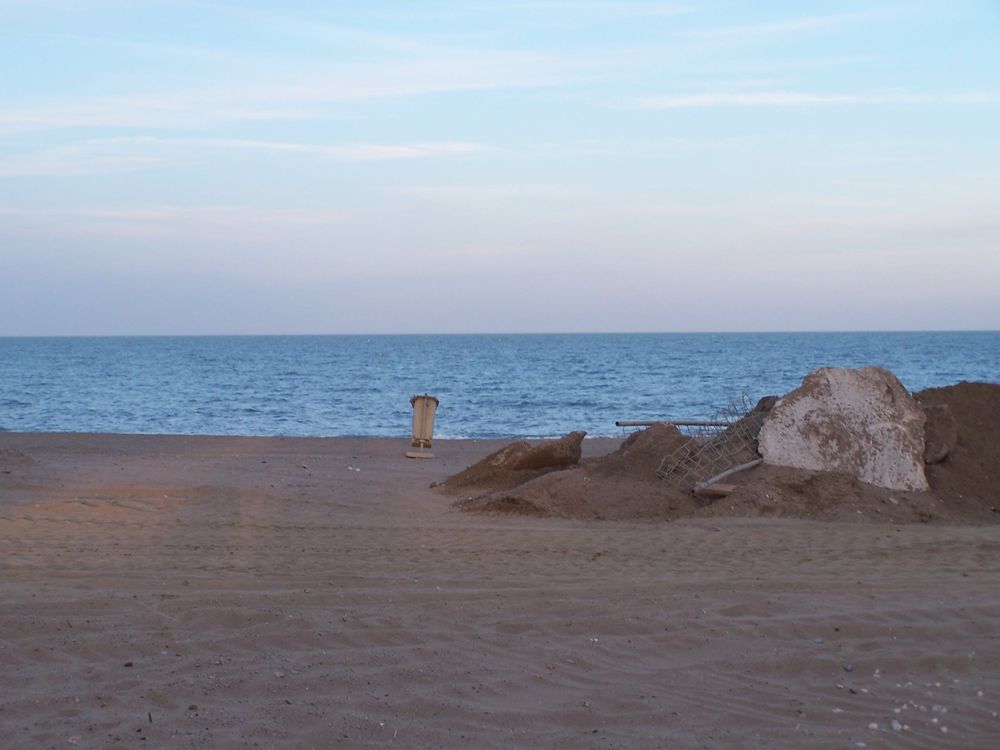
(489, 385)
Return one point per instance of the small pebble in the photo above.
(848, 667)
(818, 640)
(896, 726)
(873, 725)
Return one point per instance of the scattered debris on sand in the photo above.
(715, 454)
(876, 453)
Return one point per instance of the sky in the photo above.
(203, 167)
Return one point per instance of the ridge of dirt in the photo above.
(964, 485)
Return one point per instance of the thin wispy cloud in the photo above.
(493, 195)
(336, 25)
(528, 12)
(124, 154)
(782, 27)
(710, 99)
(215, 223)
(601, 10)
(168, 213)
(351, 152)
(295, 94)
(101, 156)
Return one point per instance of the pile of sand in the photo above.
(969, 476)
(964, 485)
(518, 463)
(622, 485)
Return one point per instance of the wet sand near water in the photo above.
(197, 592)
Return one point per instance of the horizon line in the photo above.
(493, 333)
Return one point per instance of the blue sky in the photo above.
(249, 167)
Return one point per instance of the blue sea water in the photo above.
(489, 385)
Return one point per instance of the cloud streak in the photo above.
(784, 27)
(129, 154)
(351, 152)
(216, 225)
(296, 94)
(716, 99)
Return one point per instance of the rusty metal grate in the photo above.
(728, 443)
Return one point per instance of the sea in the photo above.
(489, 386)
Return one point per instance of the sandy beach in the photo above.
(199, 592)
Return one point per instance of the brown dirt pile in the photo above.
(621, 485)
(968, 478)
(964, 483)
(518, 463)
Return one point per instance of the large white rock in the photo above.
(860, 422)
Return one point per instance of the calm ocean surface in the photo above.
(489, 385)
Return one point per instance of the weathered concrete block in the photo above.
(859, 422)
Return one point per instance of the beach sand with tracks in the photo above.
(200, 592)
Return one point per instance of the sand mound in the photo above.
(940, 433)
(622, 485)
(551, 454)
(641, 452)
(518, 463)
(785, 492)
(964, 484)
(968, 478)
